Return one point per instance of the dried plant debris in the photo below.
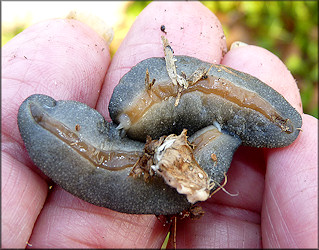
(194, 212)
(173, 159)
(170, 65)
(181, 80)
(148, 83)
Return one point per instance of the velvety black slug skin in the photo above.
(195, 111)
(111, 189)
(99, 186)
(67, 166)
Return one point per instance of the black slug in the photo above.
(92, 159)
(144, 103)
(144, 163)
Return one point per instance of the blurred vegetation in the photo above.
(288, 29)
(8, 34)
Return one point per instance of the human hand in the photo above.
(277, 201)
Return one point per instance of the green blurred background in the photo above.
(288, 29)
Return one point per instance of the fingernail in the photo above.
(95, 23)
(237, 44)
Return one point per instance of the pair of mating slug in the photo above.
(152, 167)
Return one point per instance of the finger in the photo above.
(230, 221)
(225, 227)
(142, 41)
(268, 68)
(246, 175)
(279, 214)
(68, 222)
(61, 58)
(23, 194)
(290, 208)
(245, 181)
(191, 28)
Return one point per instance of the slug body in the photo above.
(90, 158)
(109, 165)
(241, 104)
